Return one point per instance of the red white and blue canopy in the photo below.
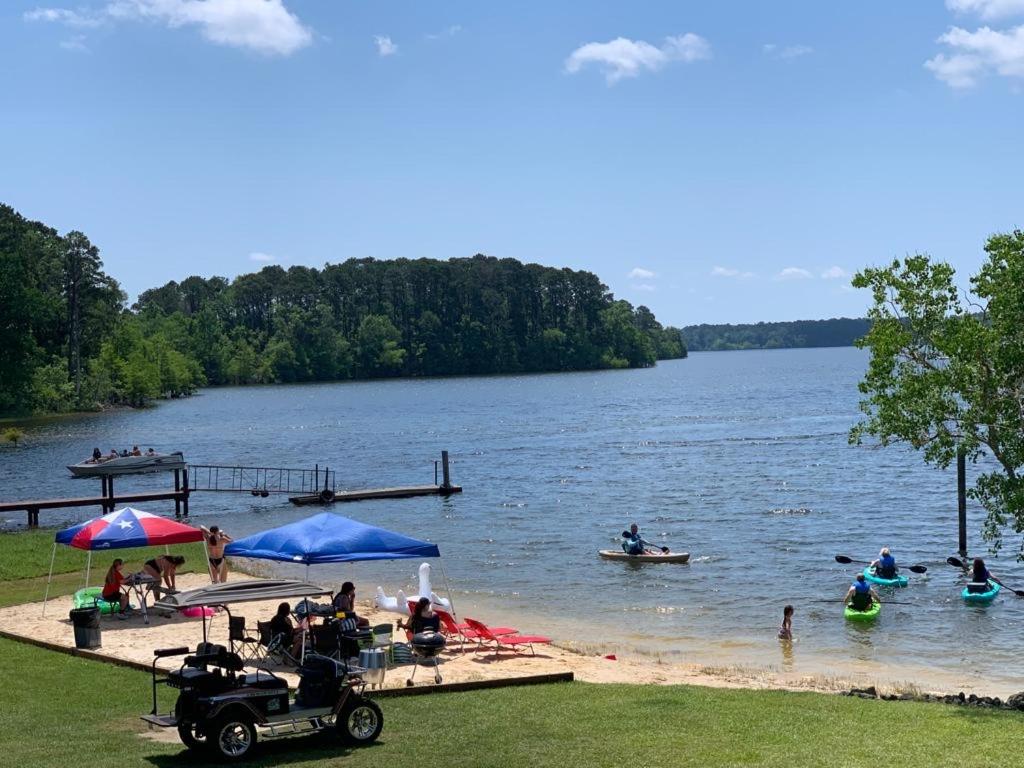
(125, 528)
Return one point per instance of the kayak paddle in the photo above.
(847, 561)
(956, 562)
(883, 602)
(627, 534)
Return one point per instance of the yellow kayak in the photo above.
(659, 557)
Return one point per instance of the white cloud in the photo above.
(64, 16)
(621, 58)
(384, 45)
(730, 272)
(988, 9)
(640, 273)
(75, 43)
(786, 52)
(834, 273)
(259, 256)
(264, 26)
(794, 273)
(977, 54)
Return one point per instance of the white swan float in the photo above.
(400, 602)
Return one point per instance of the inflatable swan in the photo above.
(400, 602)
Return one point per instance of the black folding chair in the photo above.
(248, 647)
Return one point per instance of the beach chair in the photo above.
(249, 647)
(384, 637)
(464, 632)
(276, 649)
(511, 642)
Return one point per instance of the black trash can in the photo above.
(87, 627)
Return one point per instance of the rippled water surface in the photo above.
(740, 458)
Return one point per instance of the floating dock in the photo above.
(399, 492)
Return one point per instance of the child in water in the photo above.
(786, 630)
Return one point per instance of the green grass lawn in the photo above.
(60, 710)
(25, 562)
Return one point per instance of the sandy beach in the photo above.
(133, 640)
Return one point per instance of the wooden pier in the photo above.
(259, 481)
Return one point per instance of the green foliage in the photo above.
(947, 375)
(13, 435)
(66, 340)
(837, 332)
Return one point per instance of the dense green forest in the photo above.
(68, 341)
(838, 332)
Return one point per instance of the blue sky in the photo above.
(719, 162)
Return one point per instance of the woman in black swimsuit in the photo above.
(165, 567)
(215, 541)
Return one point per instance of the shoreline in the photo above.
(134, 641)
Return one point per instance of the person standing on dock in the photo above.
(215, 541)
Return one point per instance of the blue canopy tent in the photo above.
(330, 538)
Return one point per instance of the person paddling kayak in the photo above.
(634, 544)
(860, 595)
(980, 577)
(885, 565)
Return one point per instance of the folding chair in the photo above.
(249, 647)
(384, 637)
(277, 648)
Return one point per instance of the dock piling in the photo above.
(445, 473)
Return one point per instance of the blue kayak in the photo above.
(983, 598)
(899, 581)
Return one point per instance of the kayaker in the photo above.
(860, 595)
(980, 577)
(633, 543)
(885, 565)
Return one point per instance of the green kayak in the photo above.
(869, 615)
(899, 581)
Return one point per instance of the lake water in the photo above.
(740, 458)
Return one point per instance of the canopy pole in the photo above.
(88, 567)
(447, 588)
(46, 595)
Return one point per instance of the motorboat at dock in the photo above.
(129, 465)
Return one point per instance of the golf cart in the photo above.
(221, 709)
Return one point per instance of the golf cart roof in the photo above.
(240, 592)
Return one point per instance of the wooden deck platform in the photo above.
(33, 507)
(399, 492)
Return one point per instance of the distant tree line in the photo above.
(67, 340)
(837, 332)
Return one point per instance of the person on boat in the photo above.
(281, 626)
(164, 567)
(344, 602)
(980, 577)
(113, 584)
(216, 539)
(150, 452)
(885, 565)
(423, 619)
(97, 455)
(786, 630)
(861, 595)
(136, 451)
(113, 454)
(634, 543)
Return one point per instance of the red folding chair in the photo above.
(511, 642)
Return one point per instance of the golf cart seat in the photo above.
(264, 680)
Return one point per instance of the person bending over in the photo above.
(164, 567)
(113, 591)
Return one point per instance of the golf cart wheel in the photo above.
(232, 736)
(191, 739)
(360, 721)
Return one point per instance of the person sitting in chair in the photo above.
(281, 626)
(423, 619)
(345, 603)
(112, 587)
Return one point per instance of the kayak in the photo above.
(660, 557)
(869, 615)
(982, 598)
(899, 581)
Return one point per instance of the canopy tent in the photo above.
(330, 538)
(122, 529)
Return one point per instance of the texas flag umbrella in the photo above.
(127, 527)
(124, 528)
